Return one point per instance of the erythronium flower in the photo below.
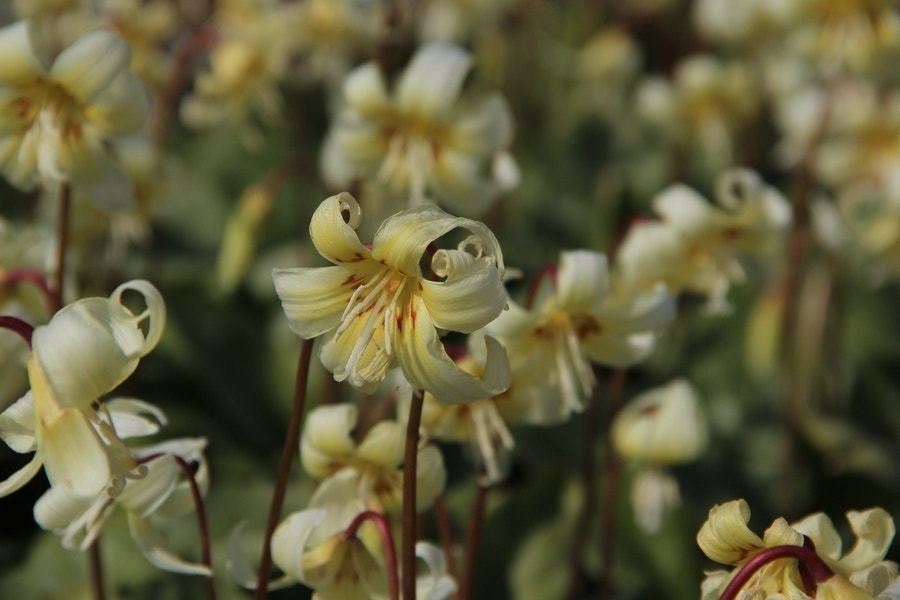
(327, 448)
(576, 322)
(377, 310)
(164, 491)
(59, 113)
(421, 142)
(697, 247)
(86, 350)
(725, 538)
(663, 426)
(315, 547)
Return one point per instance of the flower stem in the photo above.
(387, 539)
(205, 550)
(31, 276)
(62, 241)
(95, 565)
(807, 557)
(291, 444)
(476, 520)
(410, 457)
(612, 476)
(446, 531)
(18, 326)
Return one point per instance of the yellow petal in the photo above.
(725, 537)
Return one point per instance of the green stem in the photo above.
(291, 445)
(410, 457)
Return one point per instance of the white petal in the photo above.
(74, 457)
(582, 281)
(334, 237)
(20, 64)
(17, 425)
(130, 417)
(290, 539)
(142, 496)
(150, 546)
(432, 81)
(126, 321)
(685, 209)
(821, 531)
(90, 64)
(874, 529)
(427, 366)
(327, 439)
(18, 479)
(436, 584)
(314, 298)
(431, 477)
(469, 298)
(460, 181)
(383, 445)
(365, 92)
(725, 537)
(55, 510)
(121, 108)
(483, 130)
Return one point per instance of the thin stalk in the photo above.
(95, 566)
(612, 477)
(291, 445)
(31, 276)
(62, 241)
(410, 458)
(206, 552)
(473, 534)
(810, 562)
(446, 532)
(23, 329)
(387, 540)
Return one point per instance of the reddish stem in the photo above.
(387, 539)
(31, 276)
(205, 550)
(410, 458)
(291, 444)
(476, 520)
(95, 566)
(546, 271)
(446, 532)
(18, 326)
(807, 558)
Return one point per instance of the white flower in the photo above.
(377, 310)
(86, 350)
(421, 143)
(57, 116)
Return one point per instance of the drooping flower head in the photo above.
(85, 351)
(860, 572)
(575, 322)
(59, 113)
(421, 143)
(378, 310)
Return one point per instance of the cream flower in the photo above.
(86, 350)
(164, 491)
(699, 248)
(313, 547)
(725, 538)
(578, 322)
(421, 143)
(327, 448)
(58, 116)
(378, 311)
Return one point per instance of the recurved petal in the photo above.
(725, 537)
(582, 280)
(314, 298)
(150, 545)
(333, 229)
(427, 366)
(326, 439)
(874, 529)
(821, 531)
(471, 296)
(135, 418)
(365, 91)
(89, 65)
(290, 539)
(143, 496)
(126, 324)
(435, 583)
(685, 209)
(383, 445)
(56, 510)
(401, 239)
(18, 479)
(121, 108)
(432, 81)
(779, 533)
(17, 425)
(19, 64)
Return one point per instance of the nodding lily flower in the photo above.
(858, 573)
(165, 491)
(86, 350)
(59, 113)
(377, 310)
(576, 322)
(421, 143)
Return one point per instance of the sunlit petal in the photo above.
(874, 529)
(470, 297)
(90, 64)
(431, 83)
(314, 299)
(582, 280)
(383, 445)
(725, 537)
(332, 230)
(17, 424)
